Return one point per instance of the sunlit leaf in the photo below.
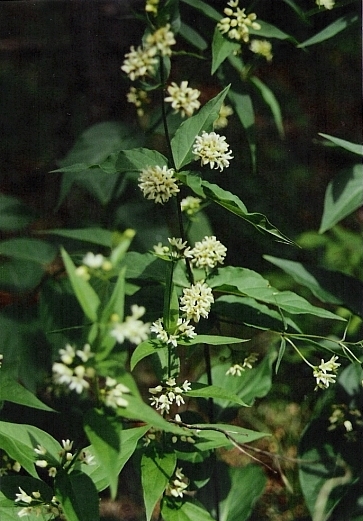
(13, 391)
(187, 511)
(213, 340)
(213, 391)
(221, 49)
(156, 471)
(146, 348)
(356, 148)
(77, 495)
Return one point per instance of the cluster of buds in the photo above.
(74, 370)
(238, 369)
(34, 504)
(177, 485)
(346, 419)
(182, 331)
(66, 458)
(8, 464)
(326, 373)
(163, 396)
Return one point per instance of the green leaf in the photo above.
(20, 440)
(237, 505)
(343, 196)
(137, 159)
(33, 250)
(213, 340)
(14, 215)
(182, 142)
(204, 8)
(193, 37)
(243, 107)
(146, 348)
(86, 295)
(156, 471)
(193, 180)
(213, 391)
(336, 27)
(333, 287)
(232, 203)
(270, 99)
(20, 275)
(281, 353)
(187, 511)
(216, 436)
(94, 235)
(77, 495)
(221, 49)
(116, 301)
(252, 284)
(270, 31)
(12, 391)
(103, 432)
(356, 148)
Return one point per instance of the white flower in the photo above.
(158, 183)
(67, 354)
(328, 4)
(82, 273)
(237, 24)
(196, 301)
(182, 330)
(177, 485)
(323, 378)
(42, 463)
(235, 370)
(114, 396)
(168, 394)
(152, 6)
(159, 249)
(139, 98)
(67, 445)
(183, 99)
(212, 150)
(26, 511)
(140, 62)
(78, 383)
(52, 472)
(132, 328)
(85, 354)
(262, 47)
(224, 112)
(23, 497)
(161, 40)
(62, 374)
(40, 450)
(190, 205)
(207, 253)
(330, 365)
(177, 243)
(87, 458)
(1, 359)
(93, 261)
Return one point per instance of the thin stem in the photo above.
(299, 352)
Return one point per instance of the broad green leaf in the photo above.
(146, 348)
(187, 511)
(20, 440)
(221, 49)
(93, 235)
(86, 295)
(247, 485)
(270, 99)
(103, 432)
(128, 440)
(77, 495)
(245, 310)
(213, 340)
(183, 141)
(204, 8)
(193, 180)
(156, 471)
(232, 203)
(13, 391)
(33, 250)
(213, 391)
(333, 287)
(137, 159)
(216, 436)
(243, 107)
(10, 487)
(356, 148)
(336, 27)
(14, 215)
(343, 196)
(192, 36)
(252, 284)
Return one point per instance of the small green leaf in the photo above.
(193, 180)
(221, 49)
(356, 148)
(243, 107)
(93, 235)
(193, 37)
(216, 436)
(146, 348)
(281, 353)
(213, 340)
(13, 391)
(137, 159)
(343, 196)
(187, 511)
(86, 295)
(204, 8)
(213, 391)
(156, 471)
(268, 30)
(183, 141)
(270, 99)
(336, 27)
(77, 495)
(33, 250)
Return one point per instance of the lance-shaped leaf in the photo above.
(343, 196)
(192, 36)
(146, 348)
(204, 8)
(212, 340)
(232, 203)
(13, 391)
(242, 104)
(356, 148)
(137, 159)
(221, 49)
(336, 27)
(86, 295)
(270, 99)
(200, 390)
(187, 511)
(94, 235)
(268, 30)
(156, 471)
(183, 141)
(77, 495)
(215, 436)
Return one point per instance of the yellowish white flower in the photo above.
(139, 98)
(237, 23)
(163, 396)
(152, 6)
(212, 150)
(190, 205)
(183, 99)
(85, 354)
(114, 394)
(26, 511)
(67, 354)
(238, 369)
(176, 486)
(82, 272)
(325, 373)
(161, 40)
(328, 4)
(140, 62)
(224, 112)
(196, 301)
(93, 261)
(158, 183)
(262, 47)
(183, 331)
(132, 329)
(23, 497)
(207, 253)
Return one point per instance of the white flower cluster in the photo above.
(207, 253)
(326, 373)
(328, 4)
(139, 98)
(183, 331)
(183, 99)
(176, 486)
(131, 329)
(158, 183)
(190, 205)
(224, 112)
(212, 150)
(7, 465)
(142, 61)
(92, 262)
(262, 47)
(350, 420)
(238, 369)
(76, 377)
(114, 393)
(36, 506)
(237, 24)
(196, 301)
(152, 6)
(165, 395)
